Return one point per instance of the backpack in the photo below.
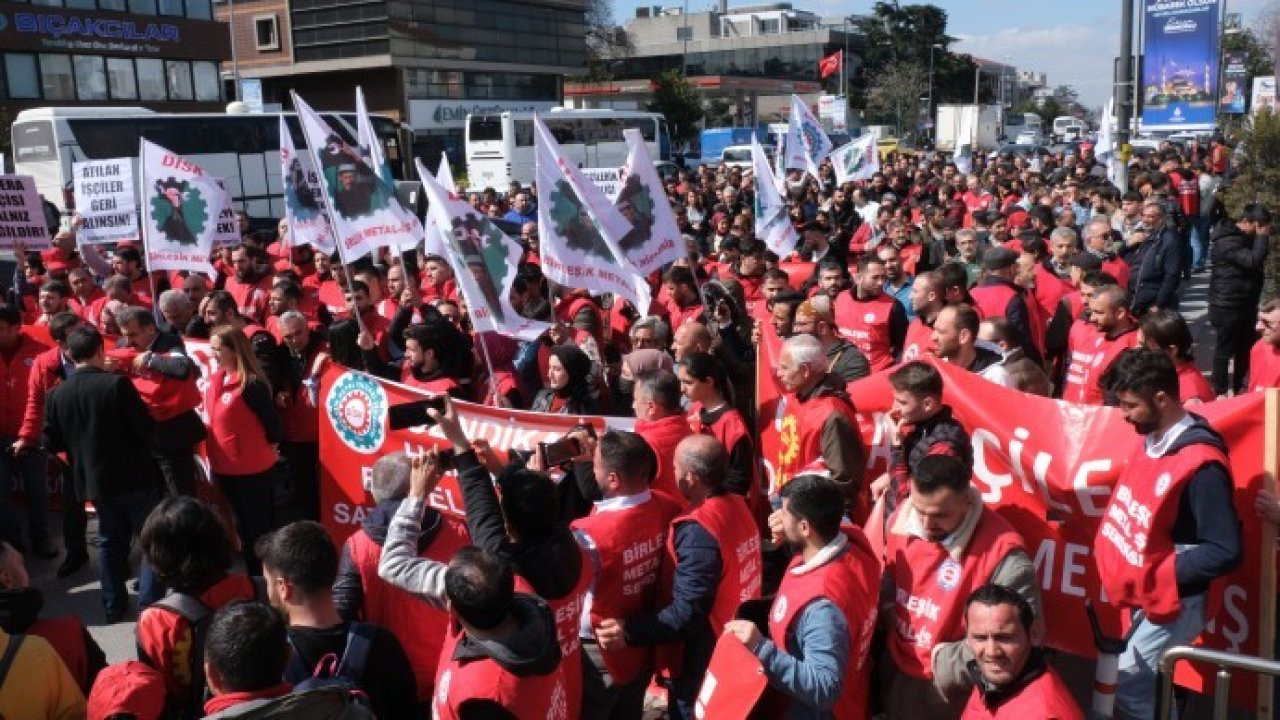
(198, 616)
(327, 703)
(345, 672)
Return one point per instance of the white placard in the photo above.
(105, 201)
(608, 180)
(21, 214)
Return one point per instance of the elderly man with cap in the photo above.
(816, 317)
(998, 296)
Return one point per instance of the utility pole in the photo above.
(1124, 91)
(235, 63)
(977, 74)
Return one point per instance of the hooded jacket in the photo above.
(1235, 283)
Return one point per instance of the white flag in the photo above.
(580, 229)
(1106, 147)
(484, 260)
(371, 151)
(773, 223)
(857, 160)
(444, 175)
(363, 209)
(654, 239)
(303, 198)
(965, 143)
(183, 211)
(807, 143)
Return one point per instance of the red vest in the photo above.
(865, 323)
(800, 441)
(851, 581)
(919, 340)
(1118, 269)
(15, 374)
(1090, 358)
(1134, 545)
(66, 634)
(420, 626)
(438, 386)
(1192, 385)
(251, 298)
(165, 397)
(1046, 698)
(532, 697)
(1075, 303)
(930, 587)
(237, 443)
(628, 544)
(663, 435)
(1049, 290)
(567, 611)
(730, 429)
(993, 300)
(1264, 366)
(727, 519)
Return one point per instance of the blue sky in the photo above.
(1074, 42)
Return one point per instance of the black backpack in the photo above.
(198, 616)
(345, 672)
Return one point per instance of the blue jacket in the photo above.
(810, 670)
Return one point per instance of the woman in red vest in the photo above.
(711, 412)
(244, 428)
(568, 391)
(1166, 330)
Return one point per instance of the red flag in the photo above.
(830, 65)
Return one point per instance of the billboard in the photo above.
(1235, 77)
(1264, 93)
(1180, 64)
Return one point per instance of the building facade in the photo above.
(162, 54)
(427, 63)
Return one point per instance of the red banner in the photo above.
(1048, 467)
(734, 682)
(354, 434)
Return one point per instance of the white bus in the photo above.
(500, 147)
(243, 149)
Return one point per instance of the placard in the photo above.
(22, 214)
(105, 201)
(609, 180)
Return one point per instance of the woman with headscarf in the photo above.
(568, 389)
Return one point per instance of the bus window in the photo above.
(33, 142)
(105, 138)
(485, 128)
(524, 133)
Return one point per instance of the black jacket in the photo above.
(1158, 271)
(99, 419)
(1207, 523)
(1236, 281)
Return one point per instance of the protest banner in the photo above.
(1048, 467)
(184, 211)
(654, 240)
(608, 180)
(105, 201)
(303, 198)
(22, 220)
(371, 151)
(773, 223)
(857, 160)
(354, 433)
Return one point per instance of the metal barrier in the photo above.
(1222, 686)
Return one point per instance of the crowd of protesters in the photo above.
(591, 594)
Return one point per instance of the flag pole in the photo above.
(488, 363)
(142, 235)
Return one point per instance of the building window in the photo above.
(179, 75)
(266, 32)
(81, 4)
(208, 84)
(199, 10)
(142, 7)
(22, 76)
(91, 77)
(770, 27)
(171, 7)
(120, 79)
(117, 5)
(56, 78)
(151, 85)
(50, 3)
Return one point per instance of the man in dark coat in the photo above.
(1157, 270)
(1239, 254)
(100, 421)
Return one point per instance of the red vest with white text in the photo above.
(919, 340)
(567, 611)
(532, 697)
(629, 544)
(1134, 545)
(865, 323)
(851, 581)
(1045, 698)
(237, 443)
(930, 587)
(1089, 360)
(420, 626)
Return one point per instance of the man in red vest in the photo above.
(869, 318)
(623, 536)
(998, 296)
(682, 298)
(250, 284)
(926, 302)
(1170, 532)
(713, 553)
(1264, 358)
(662, 423)
(818, 420)
(942, 545)
(20, 463)
(824, 615)
(1012, 678)
(165, 377)
(304, 355)
(501, 654)
(1091, 353)
(359, 593)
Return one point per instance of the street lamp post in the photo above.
(929, 111)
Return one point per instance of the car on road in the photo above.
(1013, 150)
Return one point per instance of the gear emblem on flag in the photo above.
(357, 409)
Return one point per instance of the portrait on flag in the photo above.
(303, 196)
(185, 212)
(654, 239)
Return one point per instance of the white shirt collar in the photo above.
(623, 502)
(1158, 446)
(823, 556)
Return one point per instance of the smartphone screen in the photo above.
(413, 414)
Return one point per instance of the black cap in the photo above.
(999, 258)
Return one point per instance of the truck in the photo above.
(714, 140)
(984, 124)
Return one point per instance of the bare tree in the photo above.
(896, 92)
(607, 42)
